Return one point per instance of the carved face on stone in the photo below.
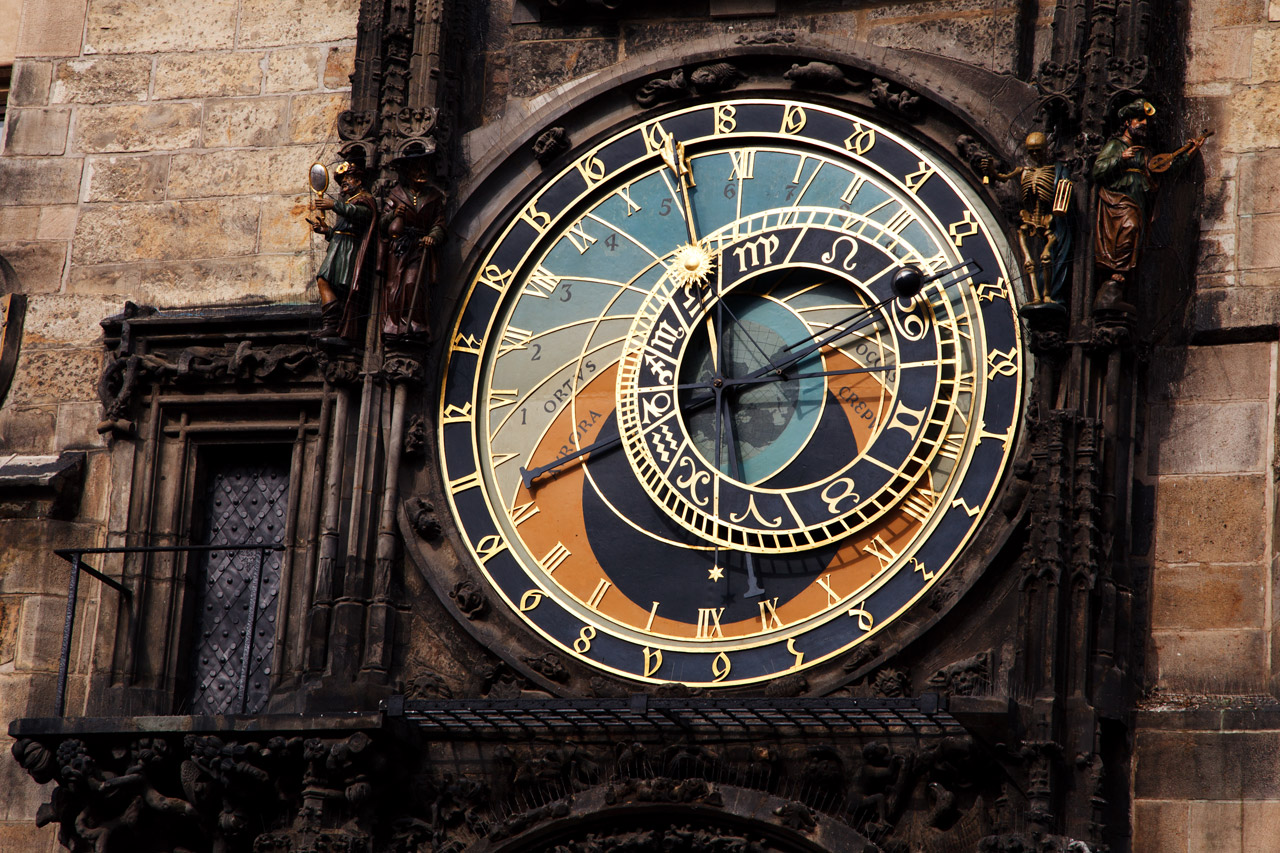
(1136, 129)
(349, 183)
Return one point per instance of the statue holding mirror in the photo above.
(348, 264)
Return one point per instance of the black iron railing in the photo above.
(75, 556)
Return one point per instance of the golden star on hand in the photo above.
(716, 573)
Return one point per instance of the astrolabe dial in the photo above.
(731, 391)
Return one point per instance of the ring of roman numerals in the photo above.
(615, 556)
(922, 379)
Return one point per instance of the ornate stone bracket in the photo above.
(119, 793)
(147, 348)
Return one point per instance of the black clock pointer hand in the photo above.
(753, 587)
(781, 377)
(907, 282)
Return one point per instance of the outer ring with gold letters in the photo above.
(530, 374)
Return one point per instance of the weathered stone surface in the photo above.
(169, 230)
(1198, 597)
(78, 426)
(96, 499)
(743, 7)
(338, 67)
(1261, 826)
(30, 85)
(639, 36)
(51, 29)
(1260, 182)
(1218, 661)
(294, 69)
(1207, 438)
(37, 131)
(279, 278)
(145, 127)
(57, 223)
(29, 566)
(40, 633)
(244, 122)
(23, 797)
(1228, 13)
(101, 80)
(10, 606)
(270, 22)
(314, 118)
(1207, 765)
(1222, 54)
(26, 429)
(1215, 826)
(170, 25)
(53, 376)
(205, 75)
(1255, 124)
(1159, 826)
(24, 835)
(220, 173)
(1244, 307)
(126, 178)
(38, 265)
(1259, 242)
(1210, 519)
(983, 40)
(284, 227)
(1217, 253)
(62, 320)
(546, 64)
(19, 223)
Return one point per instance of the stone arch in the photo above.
(723, 816)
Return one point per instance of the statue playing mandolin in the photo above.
(1125, 173)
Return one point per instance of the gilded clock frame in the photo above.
(456, 420)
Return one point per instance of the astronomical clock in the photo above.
(730, 390)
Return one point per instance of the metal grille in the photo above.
(244, 503)
(924, 715)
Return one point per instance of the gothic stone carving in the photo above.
(550, 144)
(125, 375)
(822, 76)
(705, 80)
(893, 99)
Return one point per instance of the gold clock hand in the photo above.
(673, 155)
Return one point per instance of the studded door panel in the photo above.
(245, 502)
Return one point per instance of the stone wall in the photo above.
(1208, 738)
(523, 60)
(155, 152)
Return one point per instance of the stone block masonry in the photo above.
(156, 152)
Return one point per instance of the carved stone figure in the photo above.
(662, 88)
(550, 144)
(412, 226)
(343, 276)
(1125, 173)
(1044, 236)
(901, 101)
(820, 75)
(716, 77)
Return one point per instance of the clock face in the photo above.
(690, 430)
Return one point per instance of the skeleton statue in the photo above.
(1046, 198)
